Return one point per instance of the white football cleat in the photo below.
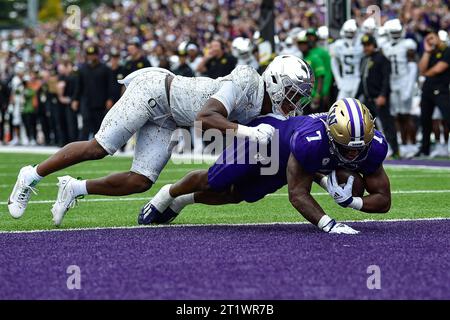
(65, 200)
(21, 193)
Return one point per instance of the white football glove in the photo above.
(342, 195)
(330, 225)
(341, 228)
(261, 133)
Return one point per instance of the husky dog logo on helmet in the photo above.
(350, 129)
(331, 119)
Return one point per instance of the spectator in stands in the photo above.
(118, 73)
(93, 92)
(183, 68)
(136, 59)
(216, 62)
(66, 86)
(193, 58)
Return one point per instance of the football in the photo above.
(358, 184)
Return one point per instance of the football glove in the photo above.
(261, 133)
(342, 195)
(341, 228)
(331, 226)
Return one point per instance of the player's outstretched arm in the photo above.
(214, 116)
(378, 187)
(299, 184)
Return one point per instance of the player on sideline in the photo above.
(154, 104)
(308, 146)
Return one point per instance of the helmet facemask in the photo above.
(297, 97)
(342, 151)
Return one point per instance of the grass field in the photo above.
(417, 193)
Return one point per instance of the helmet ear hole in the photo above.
(274, 79)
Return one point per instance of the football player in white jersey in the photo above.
(242, 49)
(154, 104)
(401, 53)
(346, 57)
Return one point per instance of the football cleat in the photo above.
(21, 193)
(65, 200)
(150, 215)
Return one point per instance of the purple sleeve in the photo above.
(377, 154)
(306, 152)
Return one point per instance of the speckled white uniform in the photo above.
(144, 109)
(401, 84)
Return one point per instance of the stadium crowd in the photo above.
(58, 80)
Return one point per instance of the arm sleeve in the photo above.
(227, 95)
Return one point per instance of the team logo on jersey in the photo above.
(325, 161)
(152, 103)
(140, 65)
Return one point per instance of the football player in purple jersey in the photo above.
(309, 147)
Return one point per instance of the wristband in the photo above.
(326, 223)
(323, 182)
(356, 204)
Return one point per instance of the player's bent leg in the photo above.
(170, 200)
(70, 155)
(204, 197)
(119, 184)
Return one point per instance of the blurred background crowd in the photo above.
(58, 79)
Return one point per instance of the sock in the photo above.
(323, 182)
(182, 201)
(34, 177)
(162, 199)
(79, 188)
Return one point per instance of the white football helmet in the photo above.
(241, 48)
(369, 26)
(349, 29)
(323, 33)
(443, 35)
(291, 78)
(394, 29)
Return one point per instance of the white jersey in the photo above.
(397, 55)
(241, 92)
(347, 55)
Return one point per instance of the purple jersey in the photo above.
(303, 136)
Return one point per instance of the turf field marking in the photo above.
(209, 225)
(119, 199)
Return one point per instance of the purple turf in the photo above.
(223, 262)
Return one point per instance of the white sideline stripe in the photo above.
(53, 184)
(193, 157)
(114, 199)
(218, 225)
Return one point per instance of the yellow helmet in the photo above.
(350, 128)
